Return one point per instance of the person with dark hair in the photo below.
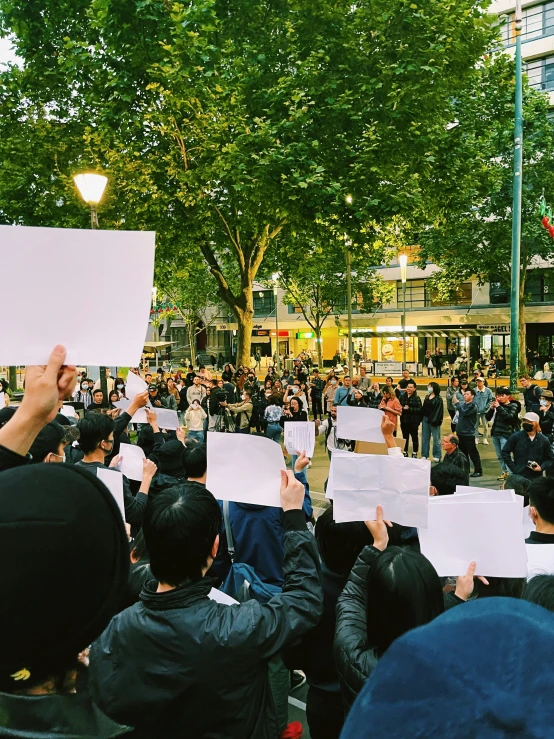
(528, 452)
(453, 455)
(503, 412)
(390, 405)
(445, 477)
(49, 446)
(272, 417)
(541, 510)
(357, 399)
(60, 525)
(520, 486)
(531, 394)
(195, 461)
(113, 398)
(493, 654)
(465, 429)
(98, 402)
(400, 390)
(207, 660)
(169, 459)
(412, 415)
(316, 394)
(84, 394)
(433, 413)
(390, 591)
(374, 396)
(96, 441)
(540, 590)
(242, 412)
(120, 386)
(342, 392)
(452, 390)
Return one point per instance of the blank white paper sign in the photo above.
(113, 480)
(480, 496)
(540, 560)
(487, 533)
(66, 410)
(364, 481)
(134, 386)
(167, 419)
(46, 251)
(245, 469)
(359, 424)
(300, 437)
(131, 464)
(221, 597)
(334, 454)
(528, 524)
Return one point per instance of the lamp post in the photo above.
(91, 187)
(516, 208)
(403, 261)
(275, 278)
(349, 200)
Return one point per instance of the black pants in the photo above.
(468, 447)
(438, 370)
(324, 713)
(410, 430)
(452, 425)
(317, 408)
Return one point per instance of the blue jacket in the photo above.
(483, 400)
(341, 395)
(467, 417)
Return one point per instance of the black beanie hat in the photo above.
(170, 456)
(65, 562)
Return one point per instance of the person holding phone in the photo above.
(528, 452)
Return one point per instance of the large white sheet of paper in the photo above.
(528, 524)
(45, 251)
(167, 419)
(480, 496)
(134, 386)
(360, 424)
(66, 410)
(364, 481)
(113, 480)
(2, 400)
(300, 437)
(540, 560)
(131, 464)
(245, 469)
(334, 454)
(123, 404)
(220, 597)
(487, 533)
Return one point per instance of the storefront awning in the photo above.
(453, 333)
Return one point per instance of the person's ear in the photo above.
(48, 458)
(215, 547)
(533, 514)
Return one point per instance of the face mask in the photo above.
(195, 406)
(85, 386)
(527, 426)
(429, 390)
(333, 382)
(294, 389)
(543, 402)
(120, 387)
(243, 397)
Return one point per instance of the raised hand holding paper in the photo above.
(113, 480)
(131, 464)
(244, 469)
(487, 533)
(134, 386)
(47, 250)
(300, 437)
(359, 424)
(364, 481)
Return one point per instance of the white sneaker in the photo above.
(476, 441)
(435, 459)
(486, 441)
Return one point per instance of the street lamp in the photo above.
(349, 200)
(516, 207)
(403, 261)
(275, 278)
(91, 187)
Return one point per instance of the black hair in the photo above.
(411, 382)
(453, 439)
(340, 544)
(403, 592)
(389, 378)
(454, 378)
(113, 392)
(503, 391)
(445, 477)
(94, 428)
(347, 376)
(98, 390)
(541, 497)
(470, 390)
(502, 587)
(436, 388)
(139, 550)
(195, 460)
(300, 404)
(540, 590)
(520, 486)
(180, 526)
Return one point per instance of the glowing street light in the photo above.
(91, 187)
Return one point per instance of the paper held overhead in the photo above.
(46, 252)
(359, 424)
(300, 437)
(361, 482)
(488, 533)
(131, 464)
(244, 469)
(134, 386)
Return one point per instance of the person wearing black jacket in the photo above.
(465, 429)
(374, 396)
(433, 413)
(356, 400)
(452, 455)
(546, 414)
(531, 394)
(531, 450)
(181, 664)
(505, 411)
(412, 415)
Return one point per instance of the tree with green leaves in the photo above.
(226, 126)
(474, 238)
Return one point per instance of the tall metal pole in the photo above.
(103, 378)
(516, 208)
(277, 331)
(349, 301)
(404, 365)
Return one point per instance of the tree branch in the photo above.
(224, 290)
(235, 243)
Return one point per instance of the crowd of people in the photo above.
(116, 627)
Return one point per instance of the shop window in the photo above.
(264, 302)
(539, 287)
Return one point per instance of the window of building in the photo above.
(264, 302)
(537, 21)
(418, 295)
(539, 287)
(294, 308)
(498, 293)
(541, 73)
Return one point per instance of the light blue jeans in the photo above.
(498, 443)
(428, 432)
(196, 435)
(481, 417)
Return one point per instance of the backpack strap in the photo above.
(228, 532)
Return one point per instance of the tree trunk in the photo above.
(192, 337)
(245, 321)
(319, 347)
(12, 379)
